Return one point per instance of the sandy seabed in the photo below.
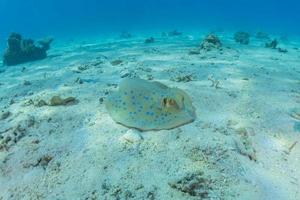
(244, 143)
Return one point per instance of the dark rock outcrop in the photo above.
(211, 42)
(24, 50)
(242, 37)
(272, 45)
(149, 40)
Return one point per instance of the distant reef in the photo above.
(24, 50)
(242, 37)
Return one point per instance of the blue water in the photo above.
(36, 18)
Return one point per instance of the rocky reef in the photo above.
(242, 37)
(21, 50)
(149, 40)
(272, 44)
(211, 42)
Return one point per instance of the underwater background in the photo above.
(149, 99)
(91, 17)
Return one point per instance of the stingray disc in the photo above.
(146, 105)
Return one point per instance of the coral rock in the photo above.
(58, 101)
(242, 37)
(211, 42)
(149, 40)
(24, 50)
(272, 45)
(194, 184)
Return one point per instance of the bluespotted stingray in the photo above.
(146, 105)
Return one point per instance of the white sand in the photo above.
(92, 157)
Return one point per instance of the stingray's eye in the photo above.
(165, 102)
(170, 104)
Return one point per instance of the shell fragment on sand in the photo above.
(146, 105)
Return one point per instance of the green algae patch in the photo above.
(146, 105)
